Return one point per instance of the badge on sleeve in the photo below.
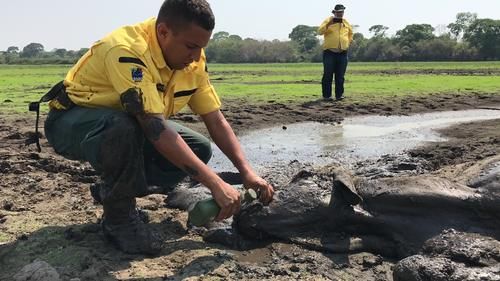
(137, 74)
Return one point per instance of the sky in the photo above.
(76, 24)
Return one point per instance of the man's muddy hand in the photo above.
(261, 186)
(228, 199)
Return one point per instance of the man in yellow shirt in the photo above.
(338, 35)
(112, 109)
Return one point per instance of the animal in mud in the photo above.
(328, 209)
(392, 216)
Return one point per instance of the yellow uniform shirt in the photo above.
(130, 57)
(337, 36)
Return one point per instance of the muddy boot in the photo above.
(96, 190)
(123, 227)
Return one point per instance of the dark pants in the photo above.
(114, 144)
(333, 63)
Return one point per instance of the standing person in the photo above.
(337, 34)
(112, 110)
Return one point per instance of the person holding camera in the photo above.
(338, 34)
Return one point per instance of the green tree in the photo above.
(225, 47)
(484, 34)
(81, 52)
(60, 52)
(437, 49)
(32, 50)
(224, 51)
(382, 49)
(72, 54)
(221, 35)
(305, 37)
(378, 30)
(234, 37)
(357, 47)
(464, 51)
(461, 24)
(13, 50)
(413, 33)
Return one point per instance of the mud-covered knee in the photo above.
(123, 139)
(126, 126)
(131, 101)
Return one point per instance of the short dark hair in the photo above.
(179, 13)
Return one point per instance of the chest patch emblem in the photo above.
(137, 74)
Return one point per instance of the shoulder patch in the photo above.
(137, 74)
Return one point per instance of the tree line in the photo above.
(34, 53)
(468, 38)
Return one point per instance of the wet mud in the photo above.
(455, 256)
(330, 210)
(392, 71)
(49, 222)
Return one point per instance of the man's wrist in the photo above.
(213, 182)
(245, 172)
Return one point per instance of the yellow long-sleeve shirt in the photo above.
(337, 35)
(130, 57)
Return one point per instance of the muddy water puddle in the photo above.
(269, 255)
(260, 256)
(355, 139)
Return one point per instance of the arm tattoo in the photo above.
(191, 171)
(153, 128)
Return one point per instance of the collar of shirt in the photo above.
(156, 52)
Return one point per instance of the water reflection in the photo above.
(358, 138)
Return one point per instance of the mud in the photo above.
(453, 256)
(47, 214)
(460, 72)
(330, 210)
(393, 71)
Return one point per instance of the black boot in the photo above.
(96, 192)
(123, 227)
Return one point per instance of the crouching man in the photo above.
(112, 110)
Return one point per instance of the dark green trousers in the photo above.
(114, 144)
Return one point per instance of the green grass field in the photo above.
(288, 82)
